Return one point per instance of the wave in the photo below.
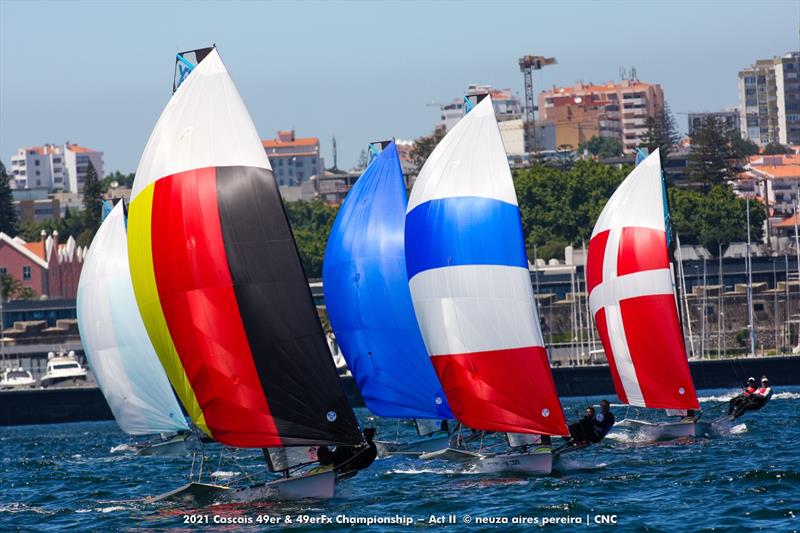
(786, 396)
(122, 448)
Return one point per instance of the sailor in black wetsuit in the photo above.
(755, 401)
(592, 427)
(738, 401)
(348, 460)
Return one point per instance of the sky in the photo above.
(100, 73)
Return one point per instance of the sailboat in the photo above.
(221, 289)
(117, 347)
(370, 310)
(632, 296)
(472, 295)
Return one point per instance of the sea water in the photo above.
(85, 476)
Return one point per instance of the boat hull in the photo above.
(670, 430)
(413, 448)
(48, 381)
(196, 494)
(317, 485)
(539, 461)
(178, 445)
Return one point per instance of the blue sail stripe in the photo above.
(466, 230)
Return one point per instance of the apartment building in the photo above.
(53, 167)
(769, 100)
(294, 159)
(618, 110)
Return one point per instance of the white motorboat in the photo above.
(62, 368)
(17, 378)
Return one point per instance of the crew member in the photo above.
(347, 460)
(604, 420)
(757, 400)
(739, 400)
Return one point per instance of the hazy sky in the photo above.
(100, 73)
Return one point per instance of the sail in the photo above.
(632, 297)
(369, 304)
(219, 282)
(471, 287)
(116, 344)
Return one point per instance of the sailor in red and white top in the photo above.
(739, 399)
(756, 400)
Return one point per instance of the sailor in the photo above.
(604, 421)
(756, 400)
(347, 460)
(584, 429)
(739, 400)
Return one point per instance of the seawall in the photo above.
(77, 404)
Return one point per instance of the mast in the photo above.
(703, 315)
(720, 300)
(749, 285)
(797, 254)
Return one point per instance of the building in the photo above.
(729, 117)
(618, 110)
(773, 180)
(506, 106)
(769, 100)
(54, 167)
(49, 268)
(294, 159)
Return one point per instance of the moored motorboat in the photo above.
(63, 368)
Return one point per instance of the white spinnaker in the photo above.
(115, 341)
(205, 124)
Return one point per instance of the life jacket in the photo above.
(749, 390)
(766, 392)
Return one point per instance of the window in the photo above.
(26, 273)
(3, 270)
(37, 162)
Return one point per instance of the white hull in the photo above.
(413, 448)
(319, 485)
(669, 430)
(539, 461)
(197, 494)
(179, 445)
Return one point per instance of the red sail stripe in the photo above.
(602, 329)
(641, 249)
(657, 351)
(594, 261)
(200, 307)
(527, 389)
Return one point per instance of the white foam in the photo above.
(565, 464)
(122, 448)
(786, 396)
(222, 474)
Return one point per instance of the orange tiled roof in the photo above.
(79, 149)
(788, 222)
(36, 248)
(301, 141)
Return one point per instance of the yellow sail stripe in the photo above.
(140, 255)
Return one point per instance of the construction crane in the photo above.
(527, 64)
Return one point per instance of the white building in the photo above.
(506, 106)
(294, 159)
(53, 167)
(769, 100)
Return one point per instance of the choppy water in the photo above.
(83, 476)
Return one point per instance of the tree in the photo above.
(662, 133)
(743, 147)
(124, 181)
(602, 147)
(776, 149)
(559, 207)
(311, 223)
(718, 217)
(13, 289)
(423, 146)
(92, 206)
(8, 216)
(713, 159)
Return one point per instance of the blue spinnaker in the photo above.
(369, 302)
